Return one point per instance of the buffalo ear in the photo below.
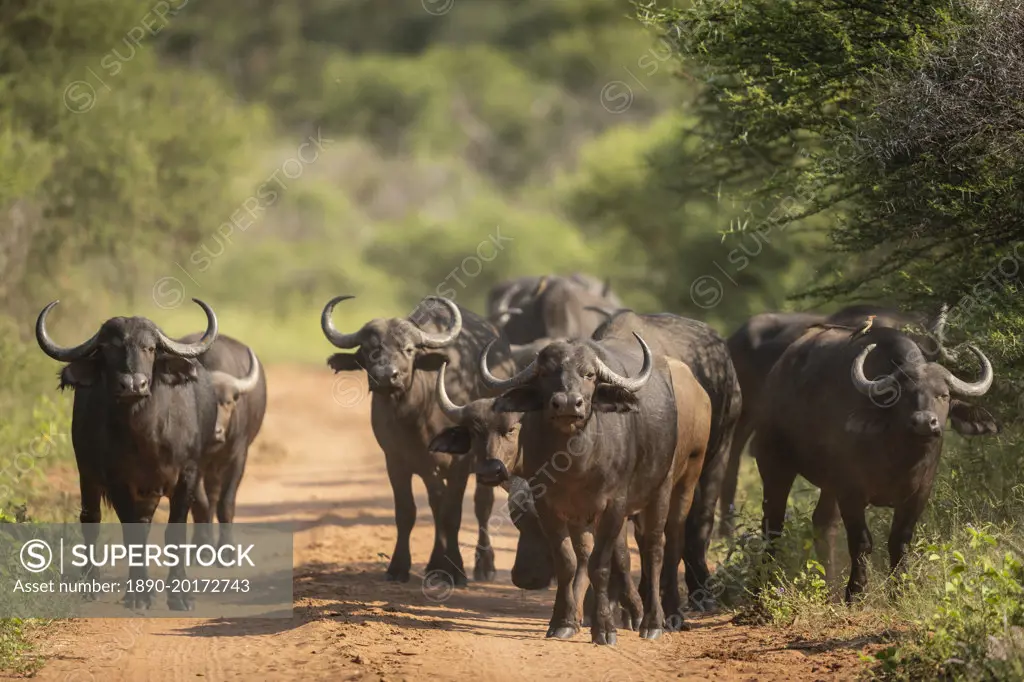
(455, 441)
(866, 422)
(608, 398)
(430, 361)
(80, 373)
(971, 420)
(344, 362)
(174, 370)
(522, 399)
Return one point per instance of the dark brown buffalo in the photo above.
(615, 438)
(401, 357)
(707, 355)
(761, 341)
(490, 439)
(240, 387)
(555, 307)
(861, 416)
(143, 416)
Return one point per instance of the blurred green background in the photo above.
(266, 156)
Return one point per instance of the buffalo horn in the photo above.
(248, 382)
(450, 409)
(58, 352)
(492, 381)
(869, 387)
(192, 350)
(633, 384)
(445, 338)
(337, 338)
(978, 388)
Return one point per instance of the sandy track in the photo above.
(319, 466)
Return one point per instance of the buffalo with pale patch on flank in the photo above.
(622, 435)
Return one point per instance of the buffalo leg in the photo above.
(631, 608)
(653, 550)
(228, 493)
(602, 626)
(451, 520)
(902, 533)
(564, 622)
(826, 524)
(632, 611)
(675, 536)
(91, 515)
(858, 538)
(202, 516)
(700, 522)
(483, 505)
(405, 519)
(583, 544)
(727, 500)
(176, 534)
(135, 515)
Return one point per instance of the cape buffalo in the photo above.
(241, 391)
(491, 441)
(401, 357)
(617, 441)
(144, 414)
(550, 306)
(861, 440)
(707, 355)
(761, 341)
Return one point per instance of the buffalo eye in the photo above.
(409, 350)
(589, 375)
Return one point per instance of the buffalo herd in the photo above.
(588, 414)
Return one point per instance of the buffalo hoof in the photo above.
(675, 623)
(604, 638)
(705, 604)
(138, 601)
(397, 577)
(651, 633)
(564, 632)
(483, 567)
(631, 622)
(482, 574)
(181, 602)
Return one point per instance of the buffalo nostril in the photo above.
(394, 374)
(579, 402)
(141, 383)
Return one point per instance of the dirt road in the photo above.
(318, 465)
